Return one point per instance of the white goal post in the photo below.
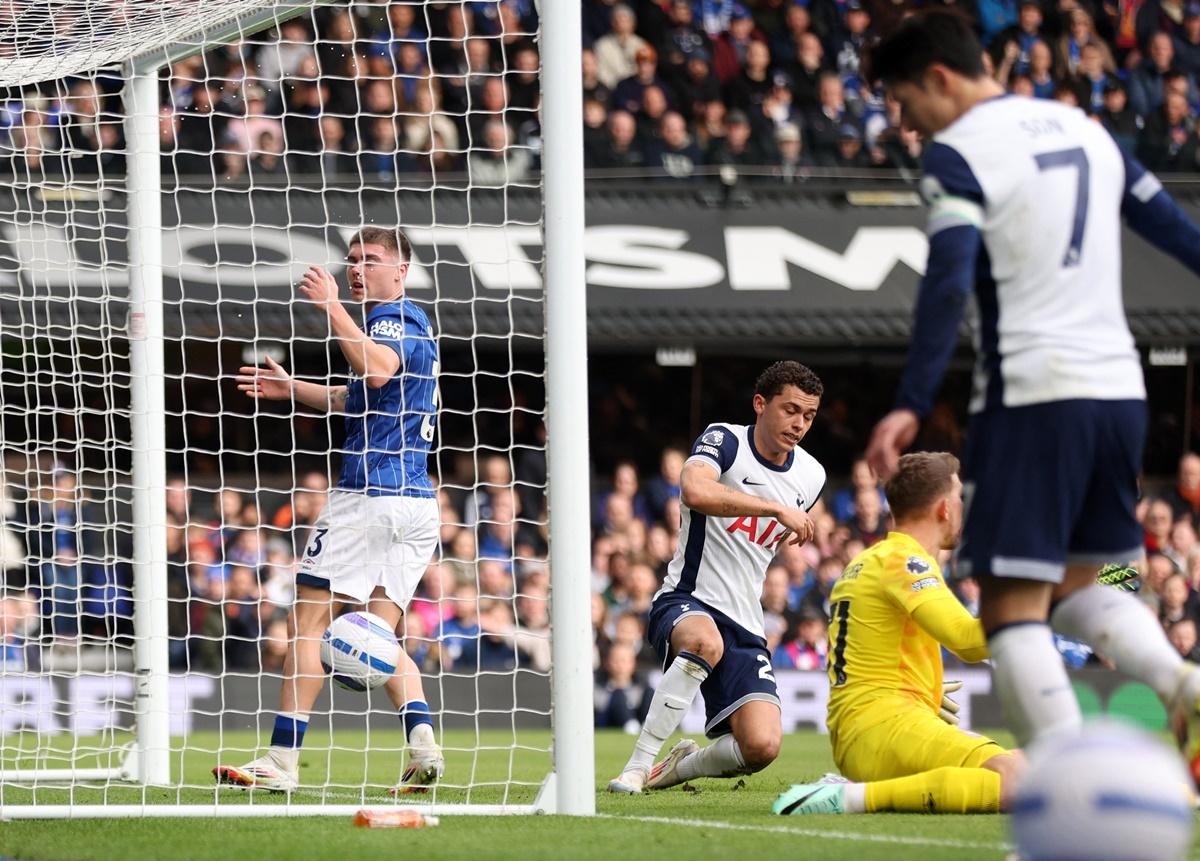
(78, 361)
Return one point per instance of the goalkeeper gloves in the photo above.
(949, 710)
(1123, 578)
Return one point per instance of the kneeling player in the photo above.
(744, 490)
(892, 612)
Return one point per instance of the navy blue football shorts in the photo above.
(742, 675)
(1051, 484)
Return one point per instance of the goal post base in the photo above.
(126, 771)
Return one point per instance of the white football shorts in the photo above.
(359, 542)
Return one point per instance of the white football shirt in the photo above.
(723, 561)
(1044, 186)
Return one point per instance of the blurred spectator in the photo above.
(1182, 634)
(870, 522)
(684, 39)
(969, 593)
(1184, 496)
(593, 87)
(1176, 601)
(1182, 546)
(844, 501)
(1011, 48)
(621, 149)
(665, 485)
(496, 476)
(731, 45)
(1119, 119)
(675, 153)
(34, 152)
(848, 43)
(629, 91)
(1158, 526)
(12, 544)
(616, 52)
(816, 599)
(748, 90)
(201, 125)
(1154, 577)
(740, 147)
(807, 643)
(459, 638)
(298, 514)
(495, 647)
(1081, 32)
(650, 118)
(791, 165)
(620, 700)
(1168, 141)
(824, 125)
(1092, 79)
(1146, 93)
(1159, 16)
(1187, 42)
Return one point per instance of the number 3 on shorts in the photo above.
(317, 544)
(764, 672)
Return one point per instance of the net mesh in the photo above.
(275, 148)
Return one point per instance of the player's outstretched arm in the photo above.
(949, 280)
(701, 491)
(273, 383)
(948, 622)
(1156, 217)
(372, 361)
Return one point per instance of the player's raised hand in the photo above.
(894, 433)
(272, 383)
(319, 287)
(802, 526)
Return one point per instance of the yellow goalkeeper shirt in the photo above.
(891, 612)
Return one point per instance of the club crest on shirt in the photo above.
(916, 565)
(713, 437)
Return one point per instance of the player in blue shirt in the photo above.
(1026, 201)
(379, 529)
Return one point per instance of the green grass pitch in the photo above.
(720, 819)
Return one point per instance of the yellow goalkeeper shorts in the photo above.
(908, 741)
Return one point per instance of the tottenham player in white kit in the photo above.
(1026, 200)
(379, 530)
(745, 490)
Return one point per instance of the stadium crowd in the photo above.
(483, 604)
(770, 88)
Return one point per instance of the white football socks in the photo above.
(722, 758)
(286, 758)
(679, 686)
(1122, 629)
(1031, 681)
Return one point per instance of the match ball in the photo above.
(1111, 793)
(360, 650)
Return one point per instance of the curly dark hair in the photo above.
(771, 381)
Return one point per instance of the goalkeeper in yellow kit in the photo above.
(892, 613)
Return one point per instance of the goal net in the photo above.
(170, 172)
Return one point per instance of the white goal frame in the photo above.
(570, 787)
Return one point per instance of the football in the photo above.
(360, 651)
(1111, 792)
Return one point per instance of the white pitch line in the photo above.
(813, 832)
